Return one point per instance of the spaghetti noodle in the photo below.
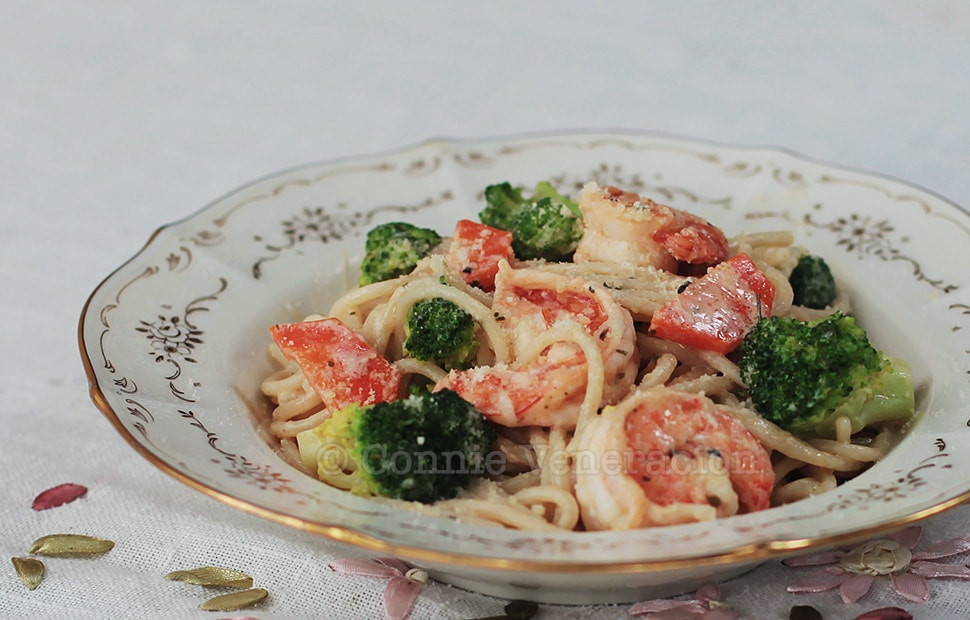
(542, 456)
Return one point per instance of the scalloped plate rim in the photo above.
(754, 551)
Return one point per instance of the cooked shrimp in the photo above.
(539, 394)
(624, 227)
(546, 384)
(663, 457)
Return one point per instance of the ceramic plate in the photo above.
(174, 344)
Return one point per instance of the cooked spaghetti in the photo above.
(573, 367)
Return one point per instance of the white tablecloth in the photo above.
(116, 117)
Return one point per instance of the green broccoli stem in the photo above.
(887, 397)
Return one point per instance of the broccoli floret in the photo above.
(547, 225)
(546, 230)
(804, 375)
(419, 385)
(424, 448)
(393, 249)
(812, 282)
(440, 331)
(502, 203)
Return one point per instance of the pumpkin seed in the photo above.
(29, 570)
(214, 576)
(70, 544)
(234, 600)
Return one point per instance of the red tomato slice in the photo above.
(476, 250)
(717, 310)
(342, 368)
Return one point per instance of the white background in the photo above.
(117, 117)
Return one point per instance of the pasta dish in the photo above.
(615, 363)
